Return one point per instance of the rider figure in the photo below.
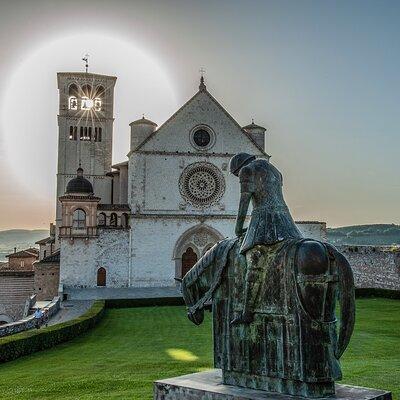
(270, 221)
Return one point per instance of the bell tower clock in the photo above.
(85, 129)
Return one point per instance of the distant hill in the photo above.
(379, 234)
(19, 238)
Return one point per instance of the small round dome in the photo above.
(79, 184)
(253, 127)
(143, 121)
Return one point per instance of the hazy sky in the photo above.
(322, 76)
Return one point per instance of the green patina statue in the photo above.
(273, 295)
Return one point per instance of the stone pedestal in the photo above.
(207, 386)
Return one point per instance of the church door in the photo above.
(101, 277)
(189, 258)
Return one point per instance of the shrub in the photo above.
(20, 344)
(373, 292)
(131, 303)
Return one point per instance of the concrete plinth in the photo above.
(207, 386)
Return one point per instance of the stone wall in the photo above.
(28, 322)
(374, 266)
(15, 289)
(81, 258)
(47, 278)
(158, 242)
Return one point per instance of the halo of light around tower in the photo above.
(30, 101)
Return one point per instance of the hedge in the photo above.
(150, 302)
(20, 344)
(374, 292)
(178, 301)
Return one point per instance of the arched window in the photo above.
(79, 219)
(73, 97)
(81, 133)
(72, 103)
(97, 134)
(189, 258)
(72, 133)
(97, 104)
(101, 219)
(73, 90)
(101, 277)
(98, 98)
(124, 220)
(113, 219)
(99, 91)
(87, 91)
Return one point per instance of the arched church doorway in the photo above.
(101, 277)
(192, 245)
(189, 258)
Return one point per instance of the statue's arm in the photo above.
(245, 197)
(242, 213)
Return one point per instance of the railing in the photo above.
(69, 231)
(28, 322)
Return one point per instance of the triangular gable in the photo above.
(192, 99)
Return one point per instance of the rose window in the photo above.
(201, 184)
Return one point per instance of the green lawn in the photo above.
(131, 348)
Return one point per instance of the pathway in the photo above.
(70, 309)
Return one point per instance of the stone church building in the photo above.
(145, 221)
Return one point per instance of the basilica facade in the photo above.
(144, 222)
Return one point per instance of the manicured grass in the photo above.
(130, 348)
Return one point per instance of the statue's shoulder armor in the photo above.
(312, 258)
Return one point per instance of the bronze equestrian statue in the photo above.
(273, 295)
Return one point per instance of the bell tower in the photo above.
(85, 129)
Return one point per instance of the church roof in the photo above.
(31, 252)
(79, 184)
(202, 89)
(46, 240)
(86, 75)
